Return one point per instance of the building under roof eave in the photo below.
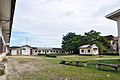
(7, 8)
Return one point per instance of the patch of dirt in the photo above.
(19, 67)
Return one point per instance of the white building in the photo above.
(89, 50)
(6, 19)
(23, 50)
(28, 50)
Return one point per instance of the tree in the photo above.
(92, 35)
(104, 41)
(101, 46)
(66, 42)
(95, 38)
(72, 42)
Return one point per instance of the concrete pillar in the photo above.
(118, 24)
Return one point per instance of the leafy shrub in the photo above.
(50, 55)
(109, 53)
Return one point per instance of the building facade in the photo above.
(7, 8)
(89, 50)
(28, 50)
(113, 43)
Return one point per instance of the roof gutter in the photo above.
(13, 2)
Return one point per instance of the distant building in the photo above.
(89, 50)
(113, 43)
(7, 8)
(23, 50)
(28, 50)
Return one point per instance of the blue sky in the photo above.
(45, 22)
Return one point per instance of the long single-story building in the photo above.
(89, 50)
(7, 8)
(28, 50)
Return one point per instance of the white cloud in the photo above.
(47, 20)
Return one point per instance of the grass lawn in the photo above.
(47, 68)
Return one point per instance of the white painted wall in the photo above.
(118, 23)
(26, 52)
(14, 52)
(92, 50)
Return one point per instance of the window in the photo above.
(24, 49)
(47, 51)
(35, 50)
(95, 49)
(88, 50)
(43, 51)
(113, 43)
(56, 51)
(82, 51)
(51, 51)
(39, 51)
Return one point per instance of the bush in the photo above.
(9, 54)
(2, 72)
(109, 53)
(41, 54)
(50, 55)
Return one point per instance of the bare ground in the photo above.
(28, 68)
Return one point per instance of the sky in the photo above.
(44, 22)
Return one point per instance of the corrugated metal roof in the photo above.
(85, 46)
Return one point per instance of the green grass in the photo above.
(85, 73)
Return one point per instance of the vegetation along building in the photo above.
(7, 8)
(89, 50)
(28, 50)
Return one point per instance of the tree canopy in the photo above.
(72, 41)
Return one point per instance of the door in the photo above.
(20, 52)
(30, 51)
(17, 52)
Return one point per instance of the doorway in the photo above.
(30, 51)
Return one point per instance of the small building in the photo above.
(89, 50)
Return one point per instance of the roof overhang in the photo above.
(113, 15)
(7, 8)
